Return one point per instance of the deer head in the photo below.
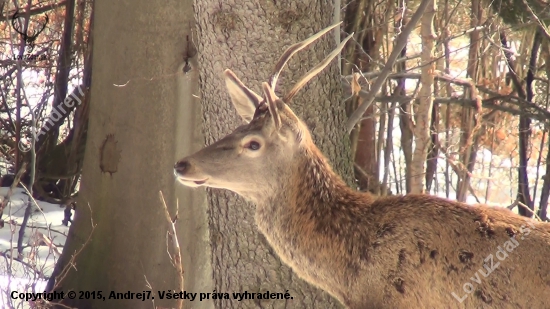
(254, 158)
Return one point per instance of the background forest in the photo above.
(438, 96)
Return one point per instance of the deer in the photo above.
(402, 251)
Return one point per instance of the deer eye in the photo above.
(252, 145)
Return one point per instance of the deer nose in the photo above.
(181, 167)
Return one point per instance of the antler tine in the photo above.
(289, 52)
(313, 72)
(272, 101)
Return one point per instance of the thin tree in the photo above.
(423, 111)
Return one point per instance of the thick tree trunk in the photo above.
(141, 96)
(248, 37)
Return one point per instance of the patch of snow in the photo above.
(44, 226)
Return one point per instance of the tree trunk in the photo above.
(248, 38)
(468, 136)
(524, 132)
(360, 19)
(422, 113)
(141, 96)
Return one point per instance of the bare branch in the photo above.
(542, 26)
(399, 45)
(39, 10)
(530, 109)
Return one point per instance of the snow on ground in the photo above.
(44, 226)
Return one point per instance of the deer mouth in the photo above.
(192, 182)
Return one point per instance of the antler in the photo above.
(273, 104)
(289, 52)
(318, 68)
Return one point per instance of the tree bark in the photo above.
(361, 19)
(248, 37)
(141, 96)
(524, 133)
(468, 136)
(422, 113)
(61, 76)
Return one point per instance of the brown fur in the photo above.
(404, 251)
(393, 252)
(410, 251)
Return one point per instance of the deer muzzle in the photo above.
(184, 171)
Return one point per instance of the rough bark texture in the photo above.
(422, 113)
(139, 45)
(248, 37)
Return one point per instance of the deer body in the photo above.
(410, 251)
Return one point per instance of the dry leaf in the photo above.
(355, 87)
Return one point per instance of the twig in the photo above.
(71, 264)
(176, 257)
(521, 106)
(36, 11)
(541, 25)
(518, 203)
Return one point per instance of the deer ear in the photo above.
(245, 100)
(274, 103)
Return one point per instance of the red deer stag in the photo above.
(413, 251)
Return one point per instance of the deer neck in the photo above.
(308, 220)
(310, 190)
